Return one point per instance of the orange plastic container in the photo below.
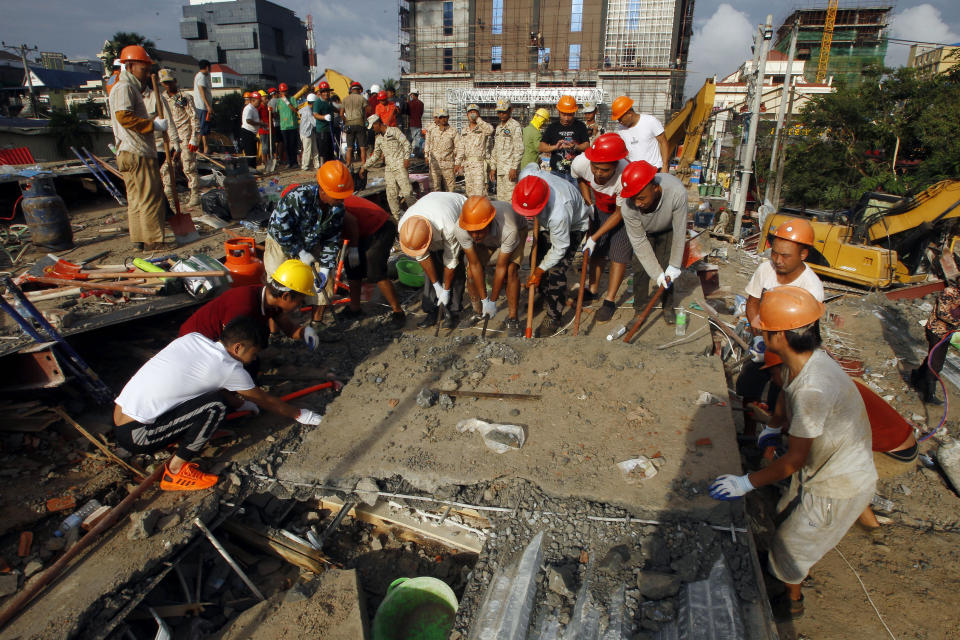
(242, 262)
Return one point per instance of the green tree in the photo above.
(123, 39)
(69, 130)
(226, 114)
(388, 83)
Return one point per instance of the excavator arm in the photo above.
(687, 127)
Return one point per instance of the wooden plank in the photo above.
(273, 541)
(383, 516)
(916, 291)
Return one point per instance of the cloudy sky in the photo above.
(359, 37)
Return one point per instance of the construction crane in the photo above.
(827, 40)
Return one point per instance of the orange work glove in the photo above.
(535, 277)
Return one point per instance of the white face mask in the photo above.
(473, 116)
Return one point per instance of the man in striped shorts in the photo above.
(182, 394)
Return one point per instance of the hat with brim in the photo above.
(372, 120)
(165, 75)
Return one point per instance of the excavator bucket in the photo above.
(338, 82)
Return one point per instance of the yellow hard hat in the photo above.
(543, 113)
(263, 94)
(296, 276)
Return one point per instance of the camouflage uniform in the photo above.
(188, 130)
(150, 100)
(473, 153)
(506, 155)
(394, 149)
(439, 150)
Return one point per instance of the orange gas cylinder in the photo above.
(242, 262)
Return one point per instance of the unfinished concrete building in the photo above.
(455, 52)
(859, 40)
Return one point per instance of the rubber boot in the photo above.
(194, 198)
(930, 393)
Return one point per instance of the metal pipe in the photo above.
(112, 517)
(777, 148)
(226, 556)
(487, 394)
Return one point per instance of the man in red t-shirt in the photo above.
(371, 232)
(268, 305)
(415, 125)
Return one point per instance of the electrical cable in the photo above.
(14, 212)
(943, 385)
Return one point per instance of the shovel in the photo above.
(272, 162)
(183, 228)
(533, 266)
(583, 283)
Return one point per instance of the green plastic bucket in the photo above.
(410, 273)
(416, 609)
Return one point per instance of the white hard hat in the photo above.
(374, 88)
(311, 97)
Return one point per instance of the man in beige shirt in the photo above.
(473, 152)
(353, 113)
(439, 149)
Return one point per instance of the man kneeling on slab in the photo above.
(182, 395)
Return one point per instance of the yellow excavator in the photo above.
(687, 126)
(885, 240)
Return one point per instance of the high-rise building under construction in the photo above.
(457, 52)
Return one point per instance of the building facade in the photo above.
(930, 61)
(265, 43)
(455, 52)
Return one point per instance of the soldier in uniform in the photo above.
(473, 152)
(439, 149)
(507, 151)
(393, 148)
(188, 131)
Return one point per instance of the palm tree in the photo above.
(388, 83)
(121, 39)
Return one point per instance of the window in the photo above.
(574, 62)
(448, 18)
(496, 57)
(633, 15)
(278, 40)
(576, 16)
(496, 19)
(448, 59)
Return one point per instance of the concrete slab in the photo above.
(602, 403)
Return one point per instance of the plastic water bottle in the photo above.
(617, 333)
(882, 504)
(77, 517)
(681, 326)
(253, 226)
(757, 348)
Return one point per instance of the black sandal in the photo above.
(904, 455)
(786, 609)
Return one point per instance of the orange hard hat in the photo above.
(785, 308)
(566, 104)
(796, 230)
(770, 359)
(635, 177)
(477, 213)
(283, 86)
(323, 86)
(135, 53)
(609, 147)
(334, 178)
(620, 106)
(530, 196)
(416, 233)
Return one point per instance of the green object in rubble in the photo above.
(410, 273)
(416, 609)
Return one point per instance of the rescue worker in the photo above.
(307, 224)
(790, 245)
(308, 135)
(263, 132)
(654, 209)
(133, 131)
(273, 101)
(249, 124)
(565, 138)
(598, 171)
(564, 218)
(428, 234)
(168, 164)
(414, 111)
(532, 137)
(943, 320)
(439, 149)
(828, 459)
(507, 151)
(393, 148)
(371, 232)
(287, 115)
(182, 395)
(203, 101)
(323, 114)
(386, 110)
(473, 152)
(590, 120)
(188, 131)
(642, 133)
(354, 117)
(485, 227)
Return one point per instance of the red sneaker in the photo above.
(190, 478)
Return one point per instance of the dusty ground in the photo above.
(911, 576)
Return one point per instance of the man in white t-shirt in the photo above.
(790, 245)
(249, 126)
(428, 234)
(642, 133)
(203, 100)
(181, 395)
(829, 456)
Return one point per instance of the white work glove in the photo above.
(673, 273)
(310, 337)
(175, 147)
(662, 280)
(488, 307)
(589, 245)
(769, 437)
(353, 257)
(443, 295)
(730, 487)
(309, 417)
(249, 405)
(160, 124)
(306, 257)
(321, 276)
(328, 117)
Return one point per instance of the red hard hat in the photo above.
(355, 84)
(323, 85)
(272, 90)
(607, 148)
(283, 86)
(382, 95)
(635, 177)
(530, 196)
